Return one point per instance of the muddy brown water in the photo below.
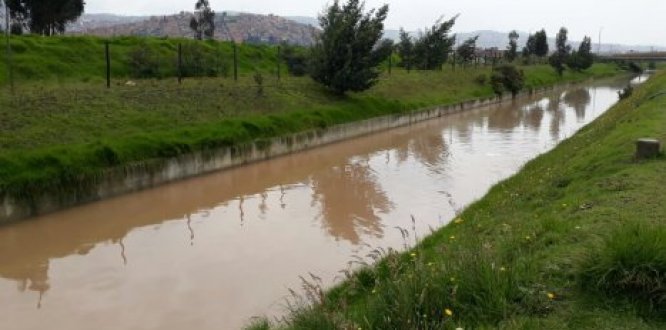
(213, 251)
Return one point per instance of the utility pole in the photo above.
(599, 45)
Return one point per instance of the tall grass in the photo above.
(629, 264)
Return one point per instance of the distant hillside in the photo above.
(271, 29)
(239, 27)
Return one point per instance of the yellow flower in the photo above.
(502, 269)
(448, 312)
(452, 237)
(528, 238)
(413, 254)
(458, 221)
(550, 295)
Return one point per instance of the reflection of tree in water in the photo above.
(506, 118)
(533, 116)
(431, 149)
(34, 277)
(557, 115)
(578, 99)
(350, 200)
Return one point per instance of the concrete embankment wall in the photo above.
(150, 174)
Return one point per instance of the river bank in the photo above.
(574, 240)
(62, 145)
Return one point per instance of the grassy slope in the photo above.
(71, 59)
(59, 136)
(514, 259)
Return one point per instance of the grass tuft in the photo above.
(630, 264)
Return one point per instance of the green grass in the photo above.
(62, 128)
(575, 240)
(629, 265)
(81, 59)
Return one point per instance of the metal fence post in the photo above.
(10, 69)
(235, 61)
(108, 64)
(279, 58)
(180, 63)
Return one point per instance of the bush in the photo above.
(652, 65)
(625, 92)
(481, 79)
(296, 59)
(259, 80)
(143, 62)
(630, 265)
(507, 78)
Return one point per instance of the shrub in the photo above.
(507, 78)
(259, 80)
(630, 264)
(625, 92)
(481, 79)
(296, 59)
(143, 62)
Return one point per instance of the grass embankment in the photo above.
(81, 59)
(61, 136)
(575, 240)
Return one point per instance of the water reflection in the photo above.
(263, 214)
(578, 99)
(355, 186)
(533, 116)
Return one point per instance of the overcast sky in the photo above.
(626, 22)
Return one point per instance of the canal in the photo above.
(213, 251)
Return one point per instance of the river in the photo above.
(213, 251)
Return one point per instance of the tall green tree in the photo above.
(406, 50)
(512, 49)
(45, 17)
(345, 56)
(530, 46)
(541, 48)
(560, 57)
(467, 50)
(203, 21)
(582, 59)
(432, 48)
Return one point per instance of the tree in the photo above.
(45, 17)
(560, 57)
(406, 50)
(432, 48)
(541, 44)
(203, 22)
(582, 59)
(530, 46)
(345, 56)
(467, 50)
(507, 78)
(512, 50)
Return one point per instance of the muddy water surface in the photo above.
(211, 252)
